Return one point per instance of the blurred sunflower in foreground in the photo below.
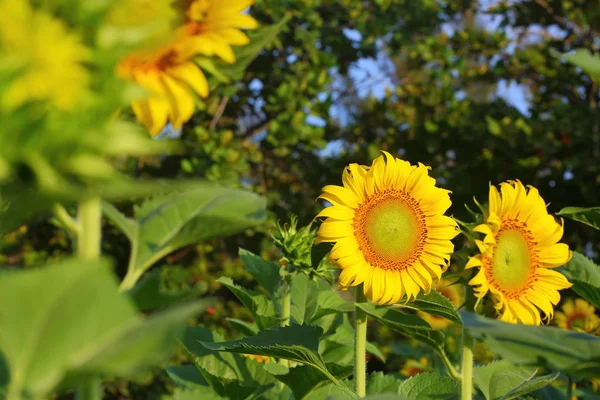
(168, 72)
(518, 254)
(47, 57)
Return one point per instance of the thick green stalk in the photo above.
(89, 388)
(286, 307)
(360, 345)
(90, 229)
(88, 248)
(466, 390)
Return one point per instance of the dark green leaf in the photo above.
(503, 380)
(573, 353)
(304, 379)
(260, 306)
(242, 327)
(378, 382)
(148, 295)
(187, 377)
(589, 216)
(318, 252)
(434, 303)
(585, 276)
(409, 325)
(265, 272)
(429, 386)
(298, 343)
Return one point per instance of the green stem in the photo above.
(449, 367)
(286, 307)
(90, 232)
(65, 219)
(569, 388)
(360, 345)
(466, 392)
(89, 389)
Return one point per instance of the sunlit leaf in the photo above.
(429, 385)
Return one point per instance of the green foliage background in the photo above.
(443, 63)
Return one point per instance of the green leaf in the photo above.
(429, 385)
(169, 222)
(242, 327)
(588, 62)
(149, 295)
(493, 126)
(338, 348)
(229, 375)
(574, 353)
(329, 302)
(298, 343)
(187, 377)
(587, 216)
(304, 295)
(434, 303)
(75, 322)
(409, 325)
(265, 272)
(503, 380)
(585, 276)
(260, 306)
(304, 379)
(318, 252)
(378, 382)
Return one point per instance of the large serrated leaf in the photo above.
(265, 272)
(68, 320)
(168, 222)
(501, 380)
(434, 303)
(427, 386)
(585, 276)
(228, 374)
(298, 343)
(379, 383)
(574, 353)
(304, 379)
(260, 306)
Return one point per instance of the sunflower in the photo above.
(454, 293)
(413, 367)
(171, 79)
(578, 315)
(517, 254)
(388, 227)
(213, 26)
(49, 56)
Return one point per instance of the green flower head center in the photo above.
(511, 263)
(392, 229)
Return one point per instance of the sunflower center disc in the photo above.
(512, 260)
(392, 229)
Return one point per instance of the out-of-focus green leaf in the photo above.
(149, 295)
(589, 216)
(304, 379)
(73, 323)
(378, 383)
(588, 62)
(574, 353)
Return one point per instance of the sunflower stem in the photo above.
(569, 388)
(360, 345)
(449, 367)
(286, 306)
(90, 232)
(89, 388)
(466, 390)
